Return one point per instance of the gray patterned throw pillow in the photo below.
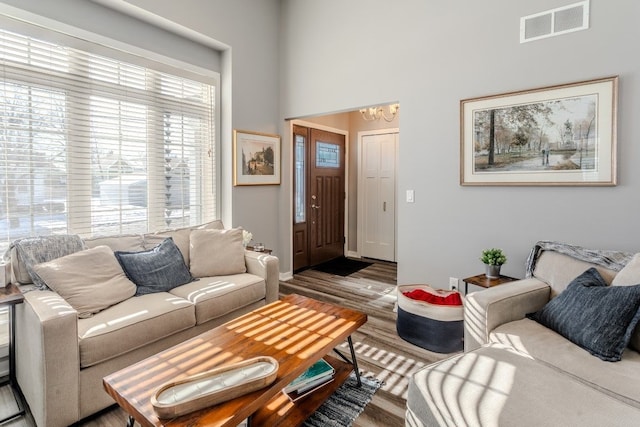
(597, 317)
(156, 270)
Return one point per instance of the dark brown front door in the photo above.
(319, 220)
(327, 196)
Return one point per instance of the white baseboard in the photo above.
(353, 254)
(287, 275)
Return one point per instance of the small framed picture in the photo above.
(558, 135)
(256, 158)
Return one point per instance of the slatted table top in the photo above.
(296, 331)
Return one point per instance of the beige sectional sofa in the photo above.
(516, 372)
(61, 357)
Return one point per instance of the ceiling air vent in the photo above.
(566, 19)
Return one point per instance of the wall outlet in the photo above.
(453, 283)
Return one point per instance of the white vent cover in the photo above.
(566, 19)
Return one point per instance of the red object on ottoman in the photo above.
(430, 318)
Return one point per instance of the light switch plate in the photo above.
(410, 196)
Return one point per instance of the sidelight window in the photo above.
(300, 214)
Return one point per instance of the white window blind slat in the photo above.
(94, 145)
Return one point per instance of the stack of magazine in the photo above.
(316, 376)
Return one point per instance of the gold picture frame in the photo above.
(256, 158)
(563, 135)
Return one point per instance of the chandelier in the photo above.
(386, 112)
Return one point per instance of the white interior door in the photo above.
(377, 192)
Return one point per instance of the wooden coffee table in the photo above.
(296, 331)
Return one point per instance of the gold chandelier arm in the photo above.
(376, 113)
(369, 114)
(393, 111)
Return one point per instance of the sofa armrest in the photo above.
(486, 310)
(267, 267)
(47, 357)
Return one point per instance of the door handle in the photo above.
(315, 206)
(384, 206)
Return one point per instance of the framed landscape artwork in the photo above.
(256, 158)
(558, 135)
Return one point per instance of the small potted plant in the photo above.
(493, 259)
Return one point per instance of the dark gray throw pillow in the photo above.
(597, 317)
(155, 270)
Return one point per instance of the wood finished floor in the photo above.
(381, 353)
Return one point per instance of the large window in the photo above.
(95, 145)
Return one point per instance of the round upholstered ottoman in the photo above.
(430, 318)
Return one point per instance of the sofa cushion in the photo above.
(122, 242)
(132, 324)
(597, 317)
(558, 270)
(181, 237)
(216, 252)
(217, 296)
(618, 379)
(498, 386)
(630, 275)
(89, 280)
(155, 270)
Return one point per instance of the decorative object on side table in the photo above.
(493, 259)
(246, 238)
(260, 248)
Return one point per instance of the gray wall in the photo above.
(302, 58)
(250, 93)
(92, 17)
(429, 55)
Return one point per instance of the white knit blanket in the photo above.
(613, 260)
(36, 250)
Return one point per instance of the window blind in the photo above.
(94, 145)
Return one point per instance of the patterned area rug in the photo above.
(345, 404)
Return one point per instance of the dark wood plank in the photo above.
(11, 295)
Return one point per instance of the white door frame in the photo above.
(360, 184)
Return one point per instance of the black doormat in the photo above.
(342, 266)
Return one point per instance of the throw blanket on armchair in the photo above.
(614, 260)
(36, 250)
